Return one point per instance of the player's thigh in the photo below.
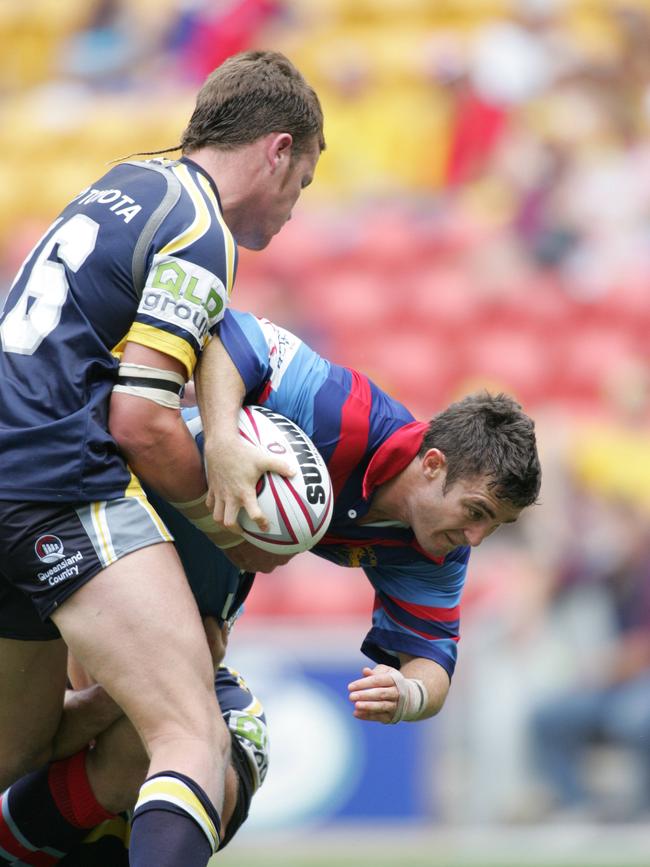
(32, 684)
(105, 574)
(135, 627)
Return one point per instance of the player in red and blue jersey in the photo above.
(411, 498)
(105, 321)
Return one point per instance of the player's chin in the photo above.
(435, 549)
(255, 241)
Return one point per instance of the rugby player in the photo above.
(72, 810)
(36, 804)
(139, 265)
(411, 499)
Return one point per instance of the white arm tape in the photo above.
(198, 514)
(161, 386)
(413, 697)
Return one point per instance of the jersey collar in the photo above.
(197, 168)
(393, 455)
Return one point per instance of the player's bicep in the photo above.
(148, 388)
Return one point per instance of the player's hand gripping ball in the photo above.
(299, 509)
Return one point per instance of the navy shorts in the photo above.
(48, 551)
(217, 585)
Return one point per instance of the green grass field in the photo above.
(587, 846)
(301, 860)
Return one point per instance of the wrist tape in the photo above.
(198, 514)
(413, 697)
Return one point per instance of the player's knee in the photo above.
(196, 723)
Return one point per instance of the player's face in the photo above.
(464, 514)
(277, 194)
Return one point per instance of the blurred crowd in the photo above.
(481, 217)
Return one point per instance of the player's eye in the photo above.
(475, 514)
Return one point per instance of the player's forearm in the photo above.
(435, 680)
(220, 393)
(86, 713)
(158, 447)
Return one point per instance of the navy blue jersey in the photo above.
(366, 438)
(143, 255)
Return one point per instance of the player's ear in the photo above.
(434, 462)
(278, 150)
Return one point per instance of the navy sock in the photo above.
(174, 823)
(48, 812)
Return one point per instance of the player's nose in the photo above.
(475, 535)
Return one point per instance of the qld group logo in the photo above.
(49, 548)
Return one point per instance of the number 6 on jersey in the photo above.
(38, 310)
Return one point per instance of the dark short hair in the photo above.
(491, 436)
(250, 95)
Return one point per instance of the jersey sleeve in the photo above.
(278, 369)
(190, 274)
(246, 344)
(416, 611)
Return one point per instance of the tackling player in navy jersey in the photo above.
(105, 321)
(411, 498)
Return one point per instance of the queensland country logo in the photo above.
(49, 548)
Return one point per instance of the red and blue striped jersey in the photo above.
(366, 438)
(143, 255)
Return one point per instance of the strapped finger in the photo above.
(372, 682)
(378, 694)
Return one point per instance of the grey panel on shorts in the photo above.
(117, 527)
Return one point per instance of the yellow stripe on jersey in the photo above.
(202, 219)
(134, 489)
(255, 707)
(176, 792)
(229, 241)
(238, 677)
(103, 533)
(118, 349)
(163, 341)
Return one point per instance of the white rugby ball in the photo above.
(299, 509)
